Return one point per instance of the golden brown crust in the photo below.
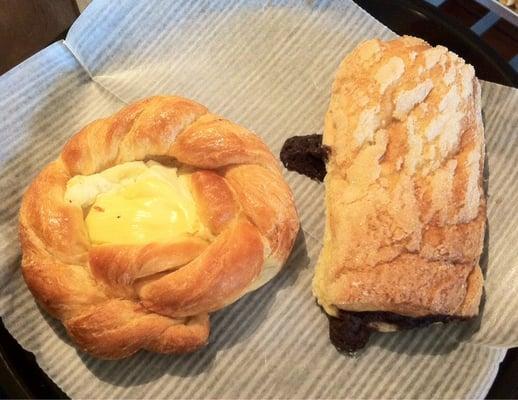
(147, 127)
(404, 199)
(56, 225)
(214, 198)
(117, 299)
(214, 279)
(122, 265)
(128, 327)
(264, 204)
(212, 142)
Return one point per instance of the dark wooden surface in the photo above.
(27, 26)
(418, 18)
(503, 37)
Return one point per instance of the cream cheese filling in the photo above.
(136, 203)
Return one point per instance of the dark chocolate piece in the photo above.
(350, 331)
(305, 155)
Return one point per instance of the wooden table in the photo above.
(27, 26)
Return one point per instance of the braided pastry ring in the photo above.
(117, 299)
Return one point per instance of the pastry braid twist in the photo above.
(116, 299)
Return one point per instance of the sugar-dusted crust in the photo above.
(117, 299)
(405, 207)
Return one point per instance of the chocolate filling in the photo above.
(306, 155)
(350, 331)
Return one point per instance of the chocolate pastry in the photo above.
(306, 155)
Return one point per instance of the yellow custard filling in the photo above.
(136, 203)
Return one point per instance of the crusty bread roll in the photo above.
(405, 206)
(116, 293)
